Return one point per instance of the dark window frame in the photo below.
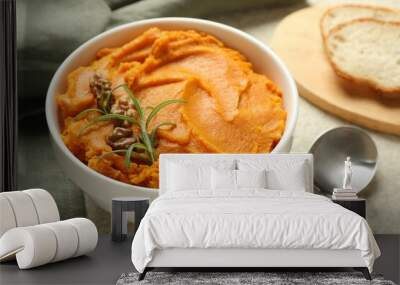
(8, 97)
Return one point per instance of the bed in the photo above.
(247, 211)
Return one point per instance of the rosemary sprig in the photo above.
(87, 111)
(135, 101)
(144, 122)
(154, 130)
(147, 140)
(159, 107)
(109, 117)
(128, 153)
(111, 152)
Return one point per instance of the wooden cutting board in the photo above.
(297, 40)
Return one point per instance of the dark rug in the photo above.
(269, 278)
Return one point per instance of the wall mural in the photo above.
(102, 94)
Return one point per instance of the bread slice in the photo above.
(340, 14)
(367, 51)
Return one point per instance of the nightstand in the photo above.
(120, 208)
(357, 205)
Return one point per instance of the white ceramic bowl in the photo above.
(101, 188)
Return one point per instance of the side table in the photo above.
(120, 208)
(356, 205)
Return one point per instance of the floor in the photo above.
(389, 262)
(110, 260)
(103, 266)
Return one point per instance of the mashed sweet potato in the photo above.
(228, 108)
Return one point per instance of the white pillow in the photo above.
(220, 163)
(223, 179)
(293, 180)
(181, 177)
(288, 175)
(251, 178)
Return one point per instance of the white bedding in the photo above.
(251, 218)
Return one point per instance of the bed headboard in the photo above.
(210, 159)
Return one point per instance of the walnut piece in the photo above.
(101, 88)
(123, 106)
(123, 143)
(119, 133)
(121, 138)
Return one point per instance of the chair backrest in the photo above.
(212, 159)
